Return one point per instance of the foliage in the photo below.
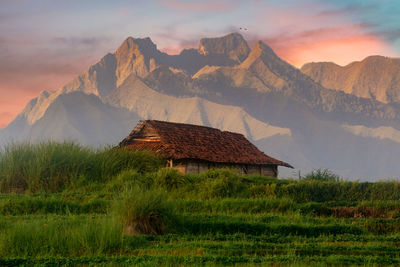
(220, 184)
(170, 179)
(321, 175)
(144, 212)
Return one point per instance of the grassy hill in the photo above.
(62, 204)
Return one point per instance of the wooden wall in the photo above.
(192, 166)
(271, 171)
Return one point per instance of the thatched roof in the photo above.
(186, 141)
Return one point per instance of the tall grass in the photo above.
(54, 166)
(72, 235)
(57, 167)
(144, 212)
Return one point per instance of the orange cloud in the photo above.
(340, 45)
(340, 51)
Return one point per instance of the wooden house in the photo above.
(193, 148)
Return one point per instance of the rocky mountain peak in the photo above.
(259, 51)
(233, 45)
(136, 55)
(260, 46)
(381, 61)
(134, 45)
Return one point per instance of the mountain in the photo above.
(278, 77)
(375, 77)
(232, 45)
(76, 117)
(227, 85)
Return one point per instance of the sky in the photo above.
(46, 43)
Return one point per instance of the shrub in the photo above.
(129, 179)
(170, 178)
(221, 183)
(263, 190)
(321, 175)
(144, 212)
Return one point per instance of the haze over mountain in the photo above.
(227, 85)
(375, 77)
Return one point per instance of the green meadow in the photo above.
(62, 204)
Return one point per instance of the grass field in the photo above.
(62, 204)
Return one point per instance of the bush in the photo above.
(322, 175)
(221, 183)
(170, 179)
(144, 212)
(129, 179)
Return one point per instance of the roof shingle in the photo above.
(187, 141)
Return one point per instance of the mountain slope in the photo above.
(86, 119)
(375, 77)
(78, 117)
(136, 96)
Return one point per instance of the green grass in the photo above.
(144, 212)
(63, 204)
(54, 167)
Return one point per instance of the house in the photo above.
(194, 149)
